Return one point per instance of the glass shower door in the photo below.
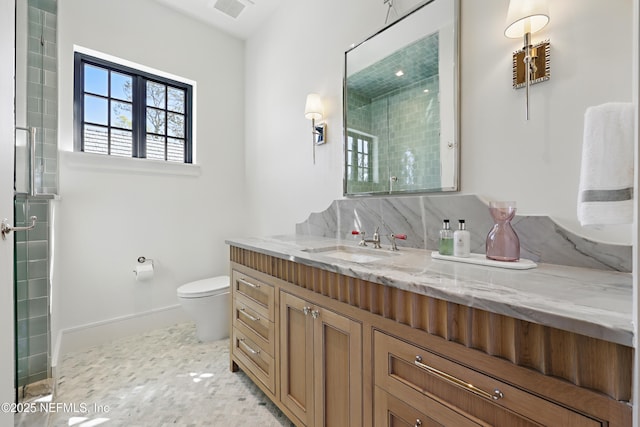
(35, 184)
(32, 294)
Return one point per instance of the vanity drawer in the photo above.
(255, 359)
(393, 412)
(252, 320)
(263, 294)
(416, 376)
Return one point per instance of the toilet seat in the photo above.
(205, 287)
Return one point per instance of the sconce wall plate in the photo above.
(320, 133)
(541, 61)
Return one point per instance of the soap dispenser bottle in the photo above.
(445, 246)
(461, 240)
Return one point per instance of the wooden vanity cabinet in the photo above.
(296, 355)
(392, 411)
(419, 378)
(335, 351)
(253, 328)
(321, 364)
(304, 356)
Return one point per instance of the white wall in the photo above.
(112, 210)
(298, 52)
(536, 163)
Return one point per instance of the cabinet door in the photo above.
(337, 369)
(296, 354)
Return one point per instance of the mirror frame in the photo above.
(455, 145)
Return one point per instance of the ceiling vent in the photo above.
(229, 7)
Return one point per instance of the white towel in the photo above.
(605, 195)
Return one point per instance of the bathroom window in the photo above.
(121, 111)
(359, 156)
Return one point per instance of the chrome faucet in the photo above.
(375, 239)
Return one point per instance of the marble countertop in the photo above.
(595, 303)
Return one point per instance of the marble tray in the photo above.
(481, 259)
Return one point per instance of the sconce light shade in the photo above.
(526, 16)
(313, 108)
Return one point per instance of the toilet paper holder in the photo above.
(142, 260)
(144, 270)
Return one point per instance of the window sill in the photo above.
(105, 163)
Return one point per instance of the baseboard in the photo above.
(89, 335)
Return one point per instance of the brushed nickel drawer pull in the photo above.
(251, 285)
(248, 347)
(254, 319)
(418, 423)
(315, 314)
(306, 310)
(497, 394)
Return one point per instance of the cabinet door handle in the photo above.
(251, 285)
(252, 318)
(497, 394)
(245, 345)
(309, 311)
(418, 423)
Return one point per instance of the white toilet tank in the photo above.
(207, 302)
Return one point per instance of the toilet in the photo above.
(206, 301)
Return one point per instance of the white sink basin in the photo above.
(353, 253)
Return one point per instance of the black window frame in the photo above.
(139, 105)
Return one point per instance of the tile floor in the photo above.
(161, 378)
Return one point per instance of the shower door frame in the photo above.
(7, 123)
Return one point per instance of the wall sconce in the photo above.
(313, 110)
(531, 63)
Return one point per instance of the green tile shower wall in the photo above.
(414, 157)
(32, 292)
(409, 115)
(32, 248)
(42, 90)
(413, 125)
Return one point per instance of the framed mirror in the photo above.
(401, 105)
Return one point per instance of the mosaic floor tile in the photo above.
(161, 378)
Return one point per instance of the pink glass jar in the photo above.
(502, 241)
